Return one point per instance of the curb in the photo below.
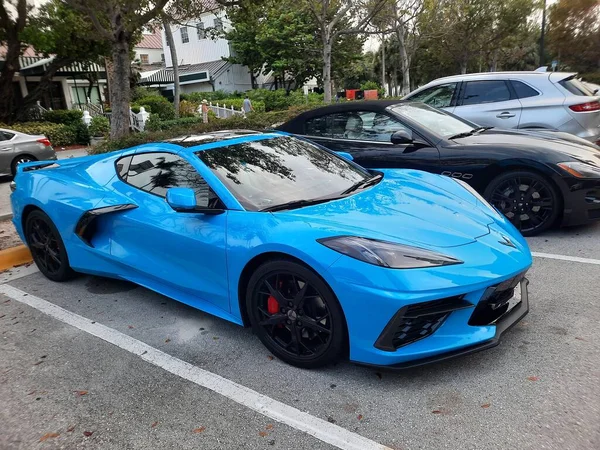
(6, 216)
(14, 256)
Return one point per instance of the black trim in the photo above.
(505, 323)
(443, 307)
(85, 225)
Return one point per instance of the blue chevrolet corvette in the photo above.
(323, 258)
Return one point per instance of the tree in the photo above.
(338, 17)
(574, 34)
(119, 22)
(11, 29)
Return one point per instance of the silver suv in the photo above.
(527, 100)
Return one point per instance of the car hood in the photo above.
(561, 144)
(407, 206)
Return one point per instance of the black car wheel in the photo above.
(47, 247)
(295, 314)
(528, 200)
(20, 160)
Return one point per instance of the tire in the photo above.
(529, 200)
(295, 314)
(18, 160)
(47, 247)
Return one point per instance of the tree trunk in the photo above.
(383, 61)
(119, 89)
(327, 68)
(404, 61)
(174, 62)
(464, 62)
(11, 66)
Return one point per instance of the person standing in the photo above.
(247, 105)
(204, 111)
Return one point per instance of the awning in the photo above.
(191, 73)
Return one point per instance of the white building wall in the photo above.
(198, 50)
(154, 54)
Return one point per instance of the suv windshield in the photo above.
(432, 119)
(270, 172)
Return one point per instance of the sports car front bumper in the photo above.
(502, 324)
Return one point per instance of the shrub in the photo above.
(188, 108)
(58, 134)
(210, 96)
(161, 125)
(157, 104)
(81, 133)
(99, 126)
(139, 92)
(64, 116)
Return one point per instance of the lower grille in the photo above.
(415, 322)
(494, 302)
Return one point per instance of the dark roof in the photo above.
(194, 140)
(186, 73)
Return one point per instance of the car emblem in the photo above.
(506, 241)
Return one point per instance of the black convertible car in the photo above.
(536, 178)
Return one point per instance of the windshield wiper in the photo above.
(297, 204)
(482, 129)
(462, 135)
(363, 184)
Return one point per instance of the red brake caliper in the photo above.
(272, 305)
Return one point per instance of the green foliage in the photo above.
(162, 125)
(64, 116)
(81, 133)
(188, 108)
(99, 126)
(209, 96)
(59, 134)
(140, 92)
(158, 105)
(259, 121)
(279, 100)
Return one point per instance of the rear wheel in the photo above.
(20, 160)
(295, 314)
(529, 200)
(47, 247)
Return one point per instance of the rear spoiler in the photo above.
(36, 165)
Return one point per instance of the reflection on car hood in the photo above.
(407, 206)
(538, 141)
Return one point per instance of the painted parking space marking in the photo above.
(321, 429)
(567, 258)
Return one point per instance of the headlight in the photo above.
(477, 195)
(580, 169)
(386, 254)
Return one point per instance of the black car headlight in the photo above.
(580, 169)
(387, 254)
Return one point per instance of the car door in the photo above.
(366, 135)
(489, 103)
(7, 150)
(181, 250)
(442, 96)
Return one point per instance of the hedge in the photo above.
(257, 121)
(60, 135)
(63, 116)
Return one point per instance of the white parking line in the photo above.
(318, 428)
(567, 258)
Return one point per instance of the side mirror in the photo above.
(184, 200)
(401, 137)
(346, 155)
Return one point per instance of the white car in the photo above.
(555, 101)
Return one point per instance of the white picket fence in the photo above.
(222, 112)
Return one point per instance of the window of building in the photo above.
(184, 35)
(218, 24)
(144, 59)
(200, 30)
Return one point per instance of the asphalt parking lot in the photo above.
(98, 363)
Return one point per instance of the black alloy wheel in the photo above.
(47, 247)
(295, 314)
(20, 160)
(528, 200)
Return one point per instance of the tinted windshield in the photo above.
(432, 119)
(270, 172)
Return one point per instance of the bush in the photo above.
(64, 116)
(81, 133)
(99, 126)
(188, 108)
(209, 96)
(161, 125)
(58, 134)
(157, 104)
(260, 121)
(140, 92)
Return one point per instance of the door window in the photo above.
(6, 136)
(157, 172)
(490, 91)
(365, 126)
(317, 126)
(522, 90)
(436, 96)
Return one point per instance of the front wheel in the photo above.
(47, 247)
(295, 314)
(529, 200)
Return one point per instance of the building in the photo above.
(200, 58)
(149, 51)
